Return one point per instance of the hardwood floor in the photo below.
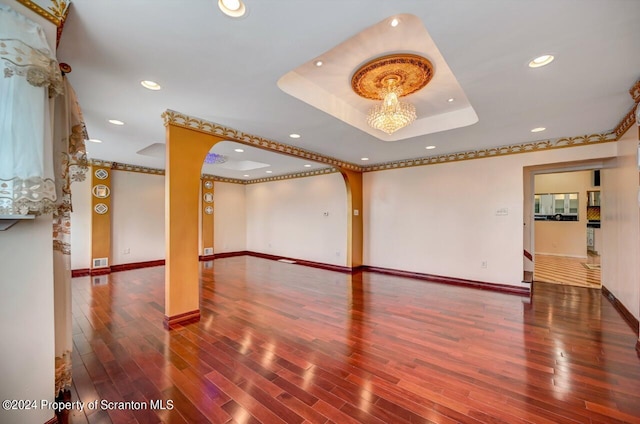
(287, 343)
(569, 271)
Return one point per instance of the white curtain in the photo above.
(30, 76)
(70, 164)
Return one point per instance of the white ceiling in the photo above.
(226, 70)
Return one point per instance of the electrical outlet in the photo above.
(483, 264)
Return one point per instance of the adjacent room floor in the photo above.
(280, 342)
(565, 270)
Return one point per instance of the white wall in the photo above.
(229, 222)
(441, 219)
(26, 304)
(621, 224)
(137, 217)
(287, 218)
(81, 224)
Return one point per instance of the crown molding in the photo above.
(513, 149)
(101, 163)
(323, 171)
(223, 179)
(180, 120)
(635, 92)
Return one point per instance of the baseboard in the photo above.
(562, 254)
(312, 264)
(181, 319)
(80, 272)
(528, 255)
(136, 265)
(628, 316)
(204, 258)
(502, 288)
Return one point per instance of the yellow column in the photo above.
(206, 213)
(353, 181)
(185, 152)
(101, 218)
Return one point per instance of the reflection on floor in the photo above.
(568, 271)
(286, 343)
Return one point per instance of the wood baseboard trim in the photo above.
(502, 288)
(204, 258)
(100, 271)
(181, 319)
(328, 267)
(628, 316)
(136, 265)
(528, 255)
(80, 272)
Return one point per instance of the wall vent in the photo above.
(100, 262)
(208, 251)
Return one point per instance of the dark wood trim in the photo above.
(53, 420)
(320, 265)
(230, 254)
(204, 258)
(136, 265)
(100, 271)
(528, 255)
(181, 319)
(628, 316)
(503, 288)
(80, 272)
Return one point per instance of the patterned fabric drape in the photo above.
(70, 164)
(31, 75)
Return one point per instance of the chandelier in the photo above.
(389, 78)
(393, 113)
(214, 158)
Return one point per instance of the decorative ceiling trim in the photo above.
(135, 168)
(626, 123)
(222, 179)
(635, 92)
(314, 173)
(48, 15)
(56, 13)
(101, 163)
(178, 119)
(535, 146)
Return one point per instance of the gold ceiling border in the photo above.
(535, 146)
(635, 92)
(223, 179)
(323, 171)
(171, 117)
(56, 14)
(626, 123)
(410, 72)
(101, 163)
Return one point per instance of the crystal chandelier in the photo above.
(214, 158)
(387, 79)
(393, 113)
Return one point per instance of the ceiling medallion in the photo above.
(388, 78)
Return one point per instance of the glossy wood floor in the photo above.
(287, 343)
(569, 271)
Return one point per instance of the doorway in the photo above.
(565, 234)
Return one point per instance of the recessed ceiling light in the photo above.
(95, 140)
(538, 129)
(450, 99)
(151, 85)
(268, 172)
(116, 122)
(307, 166)
(541, 61)
(246, 175)
(318, 63)
(238, 150)
(430, 147)
(294, 135)
(233, 8)
(394, 22)
(364, 158)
